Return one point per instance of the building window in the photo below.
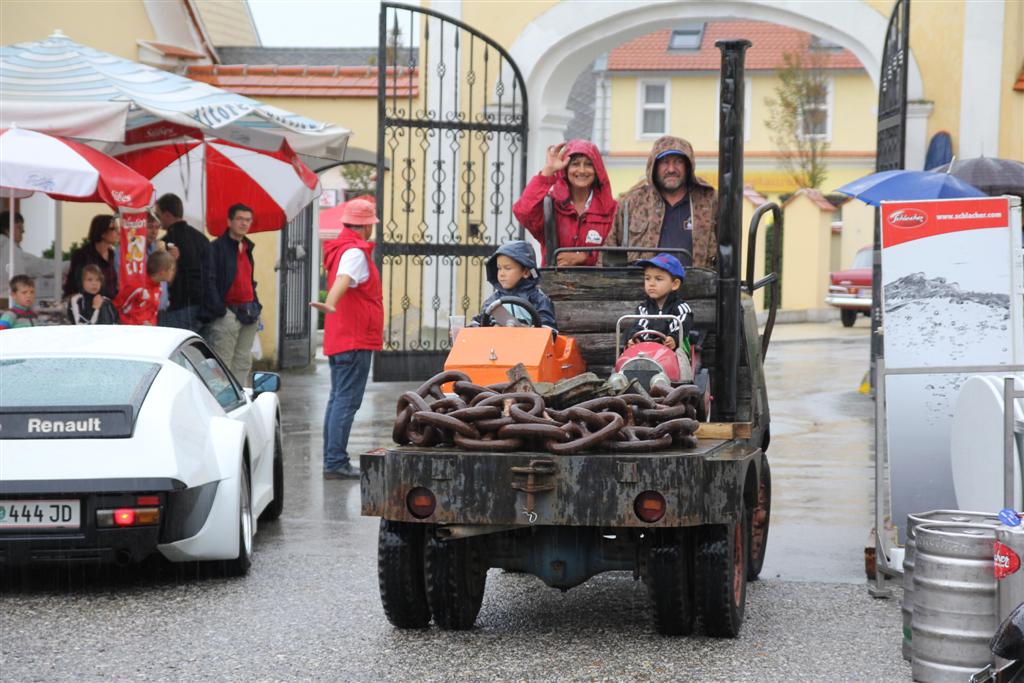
(686, 37)
(815, 121)
(653, 108)
(825, 45)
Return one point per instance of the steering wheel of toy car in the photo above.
(489, 318)
(642, 336)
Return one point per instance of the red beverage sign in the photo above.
(908, 221)
(1005, 561)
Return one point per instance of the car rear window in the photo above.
(863, 259)
(57, 382)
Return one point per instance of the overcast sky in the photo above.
(318, 23)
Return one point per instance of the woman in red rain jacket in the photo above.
(574, 176)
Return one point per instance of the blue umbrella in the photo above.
(896, 185)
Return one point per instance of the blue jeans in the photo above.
(186, 318)
(349, 372)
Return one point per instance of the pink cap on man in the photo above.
(359, 212)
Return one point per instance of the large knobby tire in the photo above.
(670, 584)
(455, 579)
(240, 565)
(400, 574)
(759, 521)
(848, 317)
(720, 576)
(273, 511)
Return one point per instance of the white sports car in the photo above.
(119, 441)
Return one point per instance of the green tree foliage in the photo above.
(798, 117)
(360, 179)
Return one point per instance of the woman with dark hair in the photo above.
(574, 177)
(103, 237)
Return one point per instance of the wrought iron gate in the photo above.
(452, 123)
(891, 142)
(295, 276)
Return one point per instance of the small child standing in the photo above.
(89, 306)
(141, 305)
(512, 270)
(23, 298)
(663, 276)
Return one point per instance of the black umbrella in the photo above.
(992, 176)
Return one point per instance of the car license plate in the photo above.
(39, 514)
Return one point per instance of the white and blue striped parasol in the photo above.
(63, 88)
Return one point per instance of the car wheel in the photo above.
(670, 584)
(759, 522)
(400, 574)
(240, 565)
(455, 579)
(276, 507)
(720, 577)
(848, 317)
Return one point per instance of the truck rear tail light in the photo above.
(147, 500)
(649, 506)
(421, 502)
(124, 517)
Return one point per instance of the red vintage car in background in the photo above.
(850, 290)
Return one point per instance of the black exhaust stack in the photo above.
(729, 342)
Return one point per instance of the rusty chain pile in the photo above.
(496, 418)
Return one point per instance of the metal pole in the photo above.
(879, 589)
(730, 236)
(1008, 411)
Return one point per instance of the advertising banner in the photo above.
(132, 251)
(949, 269)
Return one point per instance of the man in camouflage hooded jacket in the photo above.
(673, 209)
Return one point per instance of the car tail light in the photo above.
(421, 502)
(124, 517)
(147, 500)
(649, 506)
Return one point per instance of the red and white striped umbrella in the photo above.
(210, 176)
(33, 162)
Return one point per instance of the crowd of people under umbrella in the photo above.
(190, 282)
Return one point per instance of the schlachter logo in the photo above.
(908, 218)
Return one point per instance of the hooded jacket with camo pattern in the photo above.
(645, 208)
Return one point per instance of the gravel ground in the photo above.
(296, 619)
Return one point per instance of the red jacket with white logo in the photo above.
(574, 230)
(358, 322)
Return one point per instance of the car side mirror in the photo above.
(263, 382)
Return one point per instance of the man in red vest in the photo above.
(353, 329)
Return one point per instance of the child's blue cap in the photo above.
(667, 262)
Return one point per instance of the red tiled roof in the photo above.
(753, 196)
(306, 81)
(770, 42)
(815, 196)
(173, 50)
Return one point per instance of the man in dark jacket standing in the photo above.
(189, 291)
(234, 306)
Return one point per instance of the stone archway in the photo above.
(556, 46)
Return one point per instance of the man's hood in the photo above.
(602, 189)
(668, 143)
(520, 252)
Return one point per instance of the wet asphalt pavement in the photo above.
(309, 608)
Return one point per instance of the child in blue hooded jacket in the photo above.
(512, 269)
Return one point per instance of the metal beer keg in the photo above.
(932, 517)
(1009, 575)
(954, 601)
